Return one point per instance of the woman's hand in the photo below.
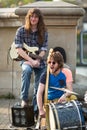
(33, 63)
(36, 63)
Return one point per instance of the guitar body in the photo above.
(14, 54)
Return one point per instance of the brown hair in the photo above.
(57, 57)
(41, 28)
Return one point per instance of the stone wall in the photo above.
(9, 80)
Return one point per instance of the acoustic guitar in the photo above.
(29, 50)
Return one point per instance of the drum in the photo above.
(66, 116)
(84, 108)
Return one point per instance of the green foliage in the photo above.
(13, 3)
(72, 1)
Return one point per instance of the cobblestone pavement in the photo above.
(4, 114)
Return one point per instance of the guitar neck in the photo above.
(35, 56)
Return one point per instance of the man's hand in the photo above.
(62, 99)
(42, 113)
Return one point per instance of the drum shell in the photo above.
(84, 108)
(66, 116)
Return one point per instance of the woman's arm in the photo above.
(29, 60)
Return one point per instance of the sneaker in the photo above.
(24, 103)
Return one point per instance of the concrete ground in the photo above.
(81, 71)
(5, 105)
(80, 85)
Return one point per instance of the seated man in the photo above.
(56, 79)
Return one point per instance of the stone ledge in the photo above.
(15, 22)
(52, 8)
(8, 13)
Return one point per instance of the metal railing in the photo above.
(83, 32)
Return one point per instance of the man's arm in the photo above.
(40, 95)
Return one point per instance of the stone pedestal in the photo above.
(61, 19)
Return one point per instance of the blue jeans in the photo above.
(27, 71)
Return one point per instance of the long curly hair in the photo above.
(41, 28)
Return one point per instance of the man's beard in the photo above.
(55, 70)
